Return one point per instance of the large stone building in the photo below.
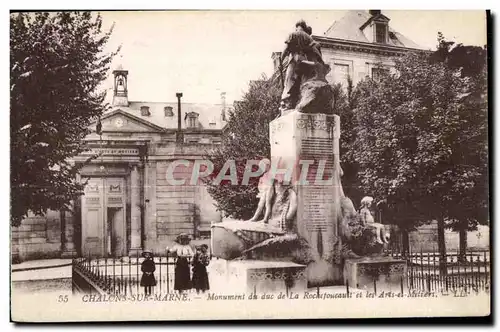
(360, 44)
(128, 203)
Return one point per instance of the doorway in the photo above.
(103, 218)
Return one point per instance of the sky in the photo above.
(204, 53)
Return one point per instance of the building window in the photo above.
(341, 74)
(169, 111)
(378, 73)
(380, 33)
(145, 111)
(191, 122)
(204, 140)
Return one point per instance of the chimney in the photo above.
(276, 60)
(180, 138)
(223, 102)
(374, 12)
(169, 111)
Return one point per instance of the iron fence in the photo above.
(122, 276)
(427, 271)
(431, 272)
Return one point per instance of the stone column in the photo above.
(135, 210)
(298, 139)
(150, 205)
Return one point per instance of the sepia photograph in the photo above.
(196, 165)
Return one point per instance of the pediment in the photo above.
(377, 18)
(121, 121)
(381, 18)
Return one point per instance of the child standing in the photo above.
(200, 263)
(148, 268)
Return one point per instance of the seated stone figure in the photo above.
(272, 237)
(368, 221)
(359, 237)
(266, 192)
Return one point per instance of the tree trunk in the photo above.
(405, 237)
(441, 247)
(462, 243)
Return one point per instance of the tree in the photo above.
(471, 62)
(410, 143)
(246, 137)
(57, 64)
(343, 105)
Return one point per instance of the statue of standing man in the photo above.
(305, 65)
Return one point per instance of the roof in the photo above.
(209, 114)
(349, 28)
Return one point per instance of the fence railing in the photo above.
(122, 276)
(429, 271)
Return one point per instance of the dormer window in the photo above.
(191, 120)
(169, 111)
(381, 33)
(145, 111)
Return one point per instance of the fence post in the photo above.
(422, 281)
(121, 274)
(410, 267)
(375, 286)
(486, 270)
(168, 275)
(478, 274)
(159, 279)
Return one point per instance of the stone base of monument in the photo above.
(376, 274)
(256, 276)
(231, 238)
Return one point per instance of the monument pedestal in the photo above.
(307, 144)
(376, 274)
(255, 276)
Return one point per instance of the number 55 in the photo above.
(62, 298)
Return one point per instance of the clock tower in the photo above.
(120, 96)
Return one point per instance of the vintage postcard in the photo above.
(229, 165)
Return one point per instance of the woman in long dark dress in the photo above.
(200, 263)
(148, 268)
(184, 253)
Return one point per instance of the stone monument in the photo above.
(310, 230)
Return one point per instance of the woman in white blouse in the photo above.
(184, 253)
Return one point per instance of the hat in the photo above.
(147, 253)
(181, 237)
(366, 200)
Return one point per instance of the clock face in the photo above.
(119, 122)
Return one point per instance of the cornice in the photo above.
(373, 48)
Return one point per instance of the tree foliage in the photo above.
(245, 137)
(421, 142)
(343, 105)
(57, 64)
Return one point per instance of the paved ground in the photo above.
(47, 286)
(40, 264)
(42, 270)
(46, 276)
